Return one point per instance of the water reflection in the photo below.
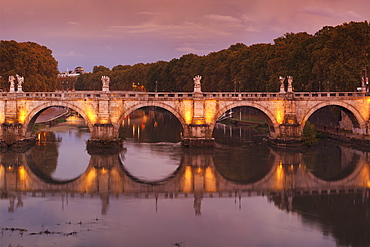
(154, 167)
(60, 154)
(196, 174)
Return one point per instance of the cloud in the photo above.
(186, 30)
(331, 13)
(149, 13)
(69, 54)
(222, 18)
(199, 48)
(131, 31)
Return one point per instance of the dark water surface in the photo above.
(155, 193)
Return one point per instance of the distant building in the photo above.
(69, 73)
(68, 79)
(79, 70)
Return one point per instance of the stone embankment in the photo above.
(361, 140)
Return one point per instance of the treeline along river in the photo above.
(153, 192)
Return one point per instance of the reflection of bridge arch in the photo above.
(361, 170)
(196, 174)
(361, 123)
(270, 116)
(36, 171)
(35, 112)
(179, 169)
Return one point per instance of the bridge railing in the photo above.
(167, 95)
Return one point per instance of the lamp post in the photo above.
(156, 86)
(366, 78)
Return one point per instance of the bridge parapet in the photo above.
(177, 95)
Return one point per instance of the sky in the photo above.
(90, 33)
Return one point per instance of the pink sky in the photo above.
(112, 32)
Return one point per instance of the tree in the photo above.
(330, 60)
(30, 60)
(100, 68)
(309, 134)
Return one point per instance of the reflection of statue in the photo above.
(105, 80)
(20, 80)
(11, 80)
(282, 89)
(197, 86)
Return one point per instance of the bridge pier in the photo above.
(198, 135)
(12, 135)
(103, 135)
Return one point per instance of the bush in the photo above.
(309, 134)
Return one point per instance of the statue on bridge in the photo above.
(197, 86)
(290, 81)
(282, 87)
(20, 80)
(105, 80)
(11, 80)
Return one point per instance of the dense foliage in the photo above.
(309, 134)
(332, 59)
(30, 60)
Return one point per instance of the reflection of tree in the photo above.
(346, 217)
(45, 154)
(243, 166)
(327, 161)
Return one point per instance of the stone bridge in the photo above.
(287, 176)
(104, 111)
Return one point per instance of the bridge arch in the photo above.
(165, 106)
(270, 117)
(359, 120)
(35, 112)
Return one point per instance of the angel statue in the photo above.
(11, 80)
(290, 81)
(105, 80)
(282, 79)
(20, 80)
(197, 86)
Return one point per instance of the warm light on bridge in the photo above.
(280, 116)
(210, 111)
(279, 111)
(90, 113)
(188, 111)
(22, 116)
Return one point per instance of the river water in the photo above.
(155, 193)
